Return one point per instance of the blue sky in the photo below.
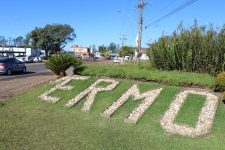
(97, 22)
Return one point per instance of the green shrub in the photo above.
(198, 49)
(59, 63)
(220, 82)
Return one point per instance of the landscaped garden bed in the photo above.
(29, 122)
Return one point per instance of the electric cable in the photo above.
(172, 12)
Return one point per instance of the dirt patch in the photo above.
(15, 86)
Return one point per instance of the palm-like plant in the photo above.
(59, 63)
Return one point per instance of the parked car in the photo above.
(37, 59)
(116, 60)
(10, 65)
(24, 58)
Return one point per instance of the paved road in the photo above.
(36, 74)
(33, 69)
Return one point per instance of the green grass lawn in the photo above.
(145, 72)
(191, 109)
(26, 122)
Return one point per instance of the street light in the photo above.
(120, 11)
(137, 39)
(123, 37)
(125, 13)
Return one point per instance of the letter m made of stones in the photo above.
(137, 113)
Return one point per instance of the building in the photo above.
(11, 51)
(82, 52)
(144, 55)
(144, 50)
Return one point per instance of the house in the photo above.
(144, 55)
(82, 52)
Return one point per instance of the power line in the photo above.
(172, 12)
(163, 9)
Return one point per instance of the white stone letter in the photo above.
(91, 92)
(205, 119)
(138, 112)
(60, 86)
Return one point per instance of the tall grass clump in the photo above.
(198, 49)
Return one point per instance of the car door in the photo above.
(19, 65)
(12, 64)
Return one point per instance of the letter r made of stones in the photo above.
(91, 92)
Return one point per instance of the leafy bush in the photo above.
(59, 63)
(220, 82)
(199, 49)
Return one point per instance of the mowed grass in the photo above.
(145, 72)
(191, 109)
(29, 123)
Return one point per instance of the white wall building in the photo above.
(21, 50)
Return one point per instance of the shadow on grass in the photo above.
(79, 70)
(2, 104)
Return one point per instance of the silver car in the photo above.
(10, 65)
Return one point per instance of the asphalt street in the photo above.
(37, 74)
(33, 69)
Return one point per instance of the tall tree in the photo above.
(112, 47)
(51, 38)
(18, 41)
(126, 51)
(102, 49)
(3, 41)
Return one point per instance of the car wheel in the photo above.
(9, 72)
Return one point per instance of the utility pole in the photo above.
(123, 38)
(140, 24)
